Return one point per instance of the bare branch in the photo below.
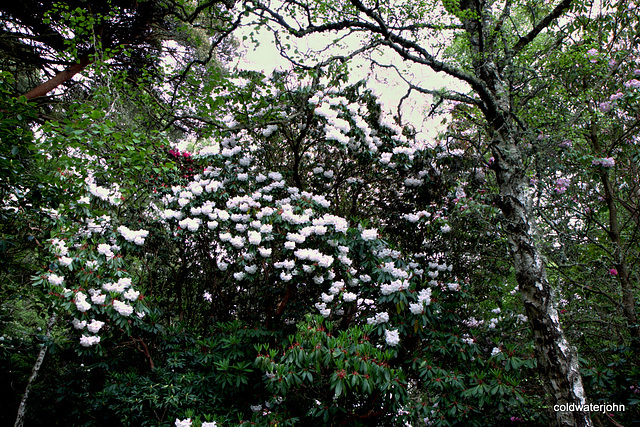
(544, 23)
(407, 49)
(442, 93)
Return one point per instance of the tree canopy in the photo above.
(191, 243)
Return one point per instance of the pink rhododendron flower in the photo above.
(633, 83)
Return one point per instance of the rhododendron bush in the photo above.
(267, 242)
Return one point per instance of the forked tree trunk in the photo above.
(34, 373)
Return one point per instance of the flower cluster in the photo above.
(112, 195)
(187, 423)
(562, 184)
(94, 300)
(253, 215)
(424, 299)
(392, 337)
(607, 162)
(136, 237)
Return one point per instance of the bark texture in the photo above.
(557, 360)
(22, 409)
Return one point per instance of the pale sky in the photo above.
(266, 58)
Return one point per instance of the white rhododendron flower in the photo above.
(98, 298)
(286, 276)
(81, 302)
(264, 252)
(369, 234)
(131, 295)
(66, 261)
(237, 242)
(59, 247)
(54, 279)
(378, 318)
(88, 341)
(169, 214)
(392, 337)
(453, 286)
(136, 237)
(416, 308)
(192, 224)
(424, 296)
(255, 237)
(78, 324)
(105, 250)
(349, 296)
(326, 298)
(95, 326)
(123, 308)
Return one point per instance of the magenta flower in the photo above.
(613, 272)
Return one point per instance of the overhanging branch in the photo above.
(407, 49)
(60, 78)
(544, 23)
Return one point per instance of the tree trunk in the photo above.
(34, 373)
(557, 360)
(614, 233)
(628, 300)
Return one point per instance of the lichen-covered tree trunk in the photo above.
(557, 360)
(22, 409)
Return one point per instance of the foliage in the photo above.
(209, 371)
(280, 250)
